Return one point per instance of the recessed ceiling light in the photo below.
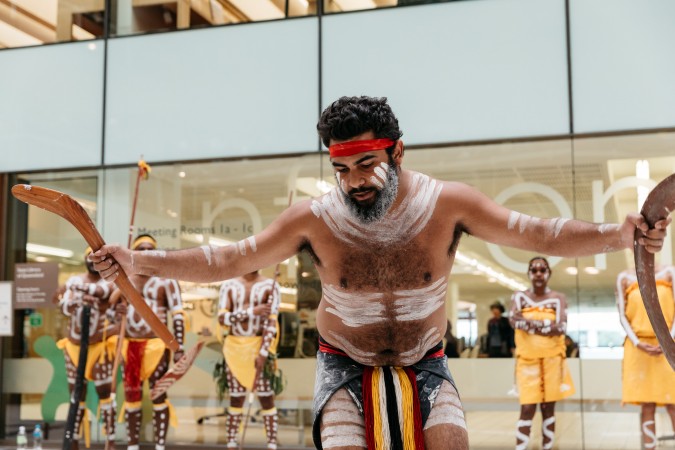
(571, 270)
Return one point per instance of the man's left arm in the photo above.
(175, 306)
(482, 217)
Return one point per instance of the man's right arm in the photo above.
(278, 242)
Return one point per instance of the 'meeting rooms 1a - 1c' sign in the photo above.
(34, 284)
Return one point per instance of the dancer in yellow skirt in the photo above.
(648, 379)
(539, 316)
(247, 304)
(146, 357)
(89, 288)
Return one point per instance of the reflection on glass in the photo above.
(135, 16)
(25, 23)
(594, 179)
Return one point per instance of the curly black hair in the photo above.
(350, 116)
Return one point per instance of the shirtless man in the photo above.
(383, 242)
(89, 288)
(539, 317)
(249, 306)
(145, 355)
(648, 379)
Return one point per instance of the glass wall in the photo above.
(190, 204)
(26, 23)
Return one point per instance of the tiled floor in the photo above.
(490, 427)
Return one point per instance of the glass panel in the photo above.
(334, 6)
(187, 205)
(143, 16)
(35, 22)
(614, 175)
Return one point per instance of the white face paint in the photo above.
(398, 225)
(381, 172)
(377, 182)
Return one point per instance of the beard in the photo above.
(381, 202)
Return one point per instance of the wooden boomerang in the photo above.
(63, 205)
(659, 204)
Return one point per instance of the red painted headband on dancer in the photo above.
(354, 147)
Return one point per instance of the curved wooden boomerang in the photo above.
(659, 204)
(63, 205)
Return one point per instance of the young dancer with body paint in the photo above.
(648, 379)
(539, 317)
(383, 242)
(249, 306)
(145, 355)
(89, 288)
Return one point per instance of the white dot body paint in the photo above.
(241, 246)
(160, 253)
(398, 225)
(207, 253)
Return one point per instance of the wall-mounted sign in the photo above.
(6, 310)
(35, 284)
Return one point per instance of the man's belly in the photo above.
(390, 343)
(394, 328)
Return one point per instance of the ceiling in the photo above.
(36, 22)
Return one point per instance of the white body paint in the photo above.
(207, 253)
(137, 326)
(447, 409)
(547, 432)
(412, 356)
(359, 309)
(236, 290)
(398, 225)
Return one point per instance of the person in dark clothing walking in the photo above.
(500, 334)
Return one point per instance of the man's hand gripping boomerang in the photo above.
(63, 205)
(659, 204)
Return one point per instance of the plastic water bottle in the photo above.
(21, 439)
(37, 437)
